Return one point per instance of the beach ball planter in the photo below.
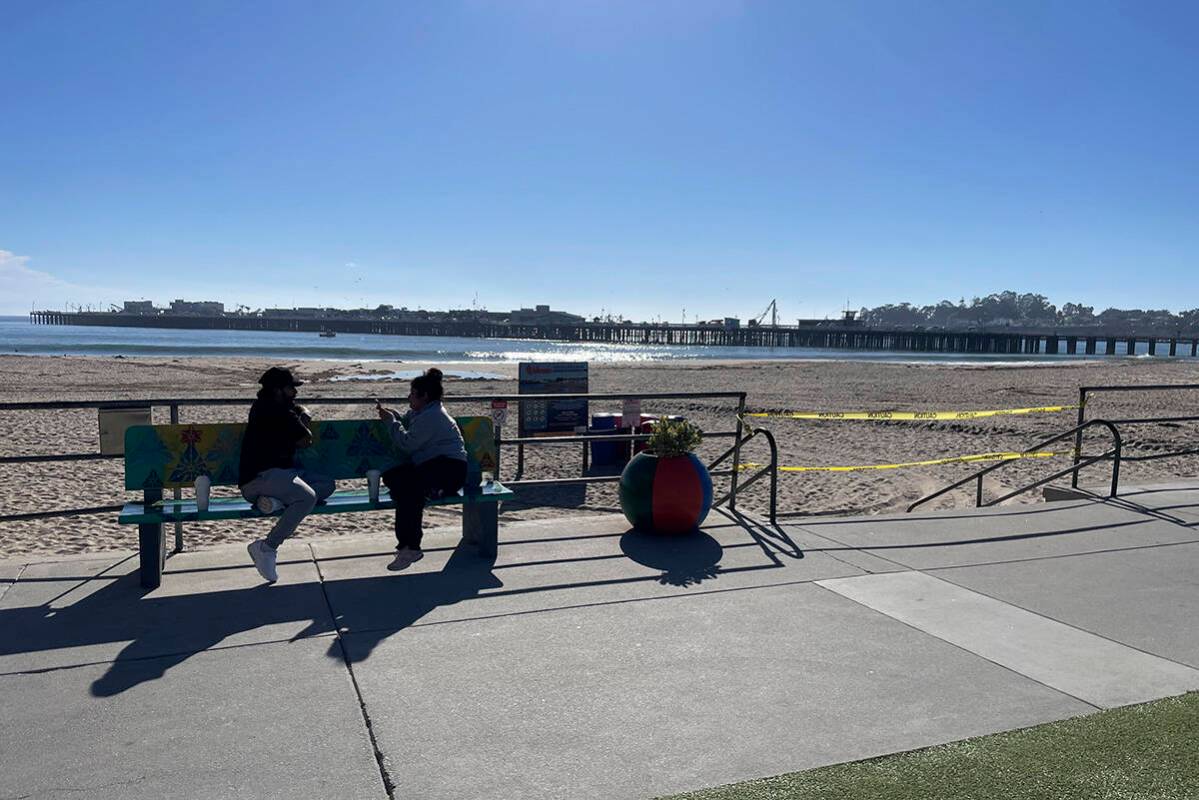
(667, 493)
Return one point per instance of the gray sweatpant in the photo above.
(297, 489)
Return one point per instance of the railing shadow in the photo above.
(771, 537)
(158, 631)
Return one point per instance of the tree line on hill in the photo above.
(1009, 309)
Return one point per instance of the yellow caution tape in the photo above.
(929, 463)
(914, 415)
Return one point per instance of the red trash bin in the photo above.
(646, 426)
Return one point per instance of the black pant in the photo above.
(411, 484)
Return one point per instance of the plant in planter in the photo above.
(666, 488)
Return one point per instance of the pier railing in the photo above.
(739, 433)
(832, 334)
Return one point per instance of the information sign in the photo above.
(552, 417)
(499, 413)
(114, 421)
(630, 413)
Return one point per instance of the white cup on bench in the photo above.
(372, 484)
(203, 487)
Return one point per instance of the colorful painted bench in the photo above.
(159, 457)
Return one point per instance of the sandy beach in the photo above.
(771, 386)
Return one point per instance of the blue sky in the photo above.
(631, 157)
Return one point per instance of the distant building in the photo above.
(140, 307)
(207, 308)
(542, 315)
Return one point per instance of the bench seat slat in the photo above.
(339, 502)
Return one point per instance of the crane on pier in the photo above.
(772, 310)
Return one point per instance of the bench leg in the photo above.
(481, 526)
(152, 549)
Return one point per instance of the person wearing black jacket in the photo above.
(268, 475)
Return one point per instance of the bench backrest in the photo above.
(171, 456)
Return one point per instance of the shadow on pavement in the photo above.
(387, 604)
(83, 618)
(685, 560)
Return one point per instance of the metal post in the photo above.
(176, 493)
(150, 545)
(495, 430)
(737, 454)
(1116, 463)
(978, 493)
(1082, 412)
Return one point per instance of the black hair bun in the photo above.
(433, 374)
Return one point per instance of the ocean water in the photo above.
(18, 336)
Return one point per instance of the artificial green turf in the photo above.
(1133, 753)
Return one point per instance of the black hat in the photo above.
(278, 377)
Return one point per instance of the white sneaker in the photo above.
(264, 560)
(268, 505)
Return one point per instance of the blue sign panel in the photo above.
(549, 417)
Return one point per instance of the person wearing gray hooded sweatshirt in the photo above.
(430, 436)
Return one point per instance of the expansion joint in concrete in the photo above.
(380, 761)
(850, 548)
(8, 585)
(1055, 621)
(962, 648)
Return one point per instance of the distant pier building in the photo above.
(541, 323)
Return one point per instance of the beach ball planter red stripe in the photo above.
(665, 495)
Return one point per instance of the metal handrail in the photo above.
(1113, 454)
(1083, 391)
(51, 405)
(174, 404)
(772, 469)
(1151, 420)
(1156, 456)
(1132, 387)
(576, 438)
(41, 459)
(63, 512)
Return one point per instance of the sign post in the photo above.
(499, 415)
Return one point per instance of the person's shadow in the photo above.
(372, 609)
(685, 559)
(363, 611)
(160, 631)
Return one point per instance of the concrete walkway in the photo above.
(586, 660)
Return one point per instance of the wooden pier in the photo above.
(833, 335)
